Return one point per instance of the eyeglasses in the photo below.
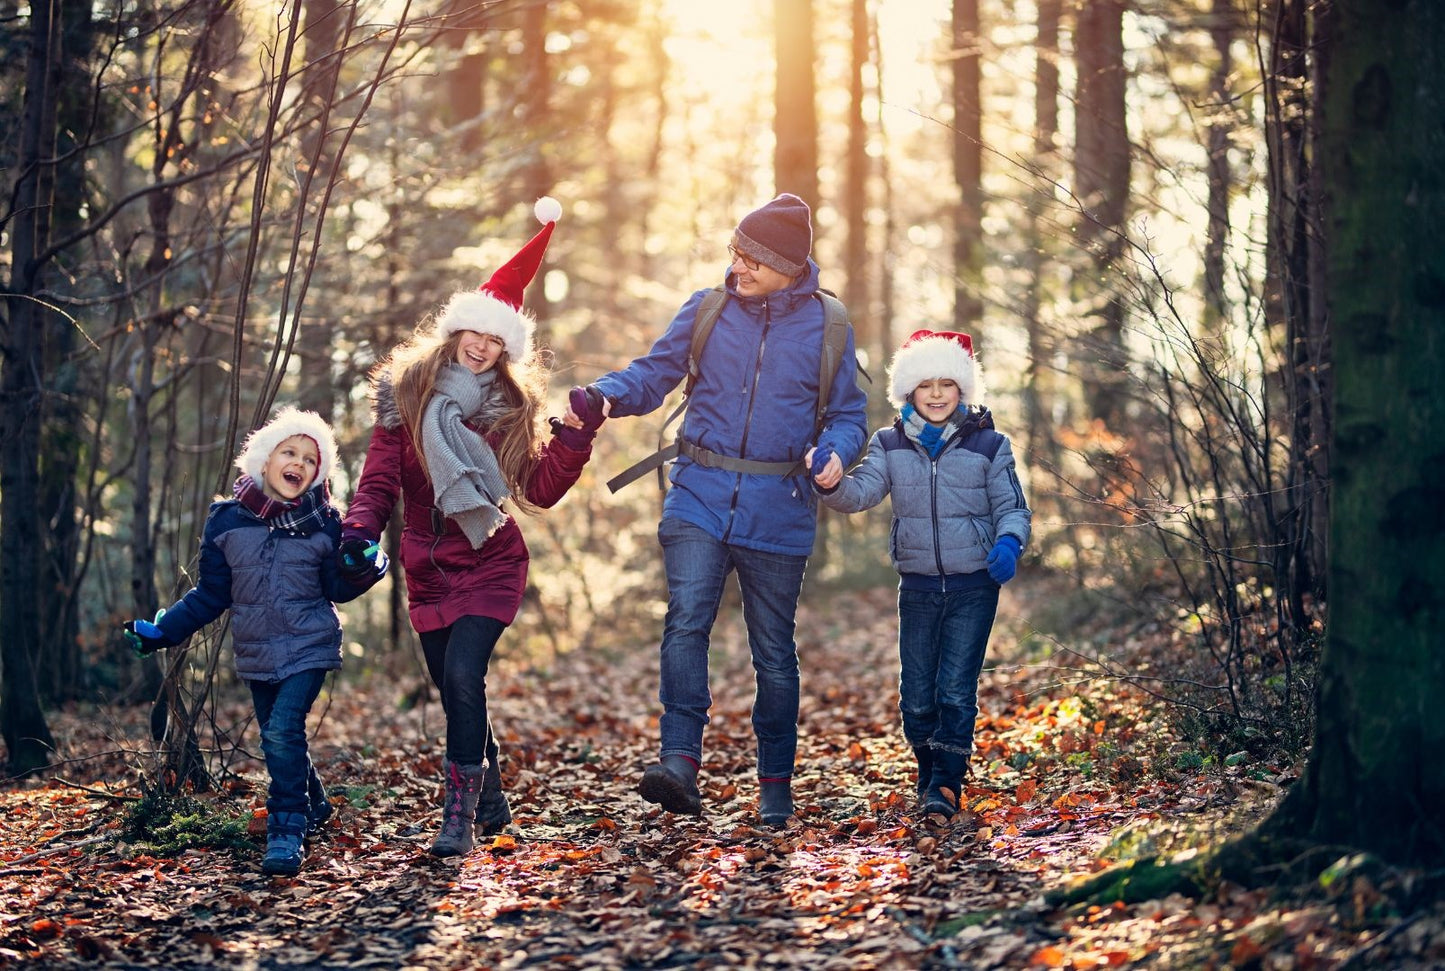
(748, 262)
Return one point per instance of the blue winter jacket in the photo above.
(755, 398)
(947, 511)
(279, 585)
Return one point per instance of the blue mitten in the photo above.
(144, 637)
(821, 455)
(1003, 559)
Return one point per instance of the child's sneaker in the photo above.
(285, 844)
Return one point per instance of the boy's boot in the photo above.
(493, 812)
(321, 808)
(285, 836)
(459, 808)
(672, 784)
(775, 801)
(945, 785)
(924, 755)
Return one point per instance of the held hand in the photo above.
(360, 560)
(144, 637)
(1003, 559)
(826, 467)
(587, 408)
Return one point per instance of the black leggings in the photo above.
(457, 658)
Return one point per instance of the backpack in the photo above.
(836, 328)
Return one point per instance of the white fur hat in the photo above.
(496, 306)
(479, 311)
(931, 354)
(288, 422)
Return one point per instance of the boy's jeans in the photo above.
(697, 567)
(941, 642)
(281, 709)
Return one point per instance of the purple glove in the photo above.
(1003, 559)
(821, 455)
(586, 403)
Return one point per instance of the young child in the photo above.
(270, 556)
(959, 524)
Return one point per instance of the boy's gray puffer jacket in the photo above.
(279, 585)
(948, 511)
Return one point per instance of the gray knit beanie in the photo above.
(779, 235)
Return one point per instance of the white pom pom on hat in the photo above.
(496, 306)
(288, 421)
(928, 354)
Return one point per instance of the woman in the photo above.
(456, 409)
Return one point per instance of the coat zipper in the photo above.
(748, 421)
(937, 546)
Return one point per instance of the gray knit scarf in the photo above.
(465, 476)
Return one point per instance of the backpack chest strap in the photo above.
(714, 460)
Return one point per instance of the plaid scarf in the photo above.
(303, 516)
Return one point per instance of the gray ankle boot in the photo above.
(945, 787)
(494, 814)
(459, 808)
(924, 755)
(775, 802)
(672, 784)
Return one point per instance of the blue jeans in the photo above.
(457, 658)
(281, 709)
(941, 642)
(697, 567)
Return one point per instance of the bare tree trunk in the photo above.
(1101, 177)
(60, 672)
(1296, 255)
(1375, 779)
(795, 122)
(1046, 130)
(967, 167)
(537, 175)
(466, 80)
(1222, 30)
(325, 28)
(22, 721)
(855, 201)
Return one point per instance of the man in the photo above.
(740, 500)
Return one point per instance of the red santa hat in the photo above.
(496, 306)
(929, 354)
(288, 422)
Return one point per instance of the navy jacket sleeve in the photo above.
(211, 595)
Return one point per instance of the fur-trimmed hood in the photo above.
(384, 410)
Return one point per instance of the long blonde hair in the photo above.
(413, 367)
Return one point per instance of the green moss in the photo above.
(165, 824)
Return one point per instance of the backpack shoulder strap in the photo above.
(707, 315)
(835, 341)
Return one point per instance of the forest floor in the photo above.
(1072, 772)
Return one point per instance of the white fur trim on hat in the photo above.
(479, 311)
(922, 359)
(288, 421)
